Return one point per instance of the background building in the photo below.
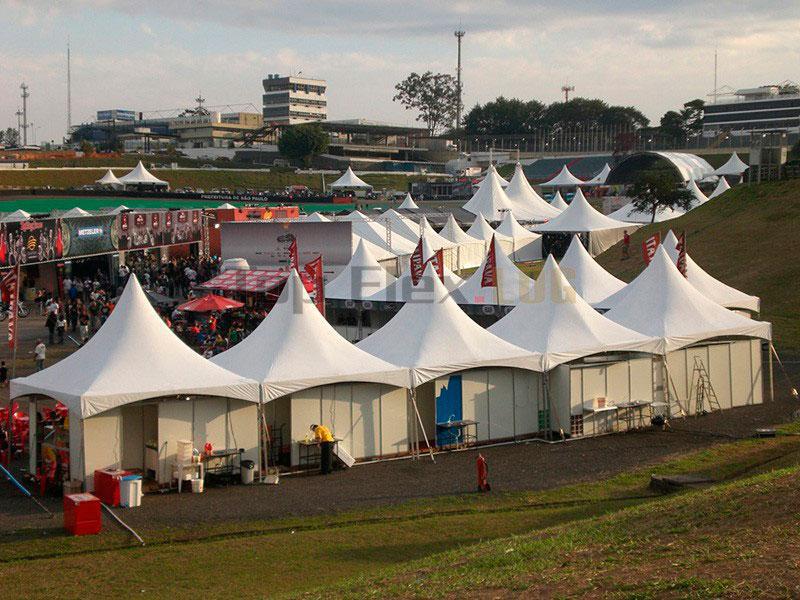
(765, 108)
(292, 100)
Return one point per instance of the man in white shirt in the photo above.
(39, 352)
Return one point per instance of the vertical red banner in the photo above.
(681, 248)
(649, 247)
(489, 277)
(314, 270)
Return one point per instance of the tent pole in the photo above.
(32, 424)
(419, 418)
(771, 378)
(412, 429)
(261, 427)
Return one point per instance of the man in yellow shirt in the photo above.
(324, 437)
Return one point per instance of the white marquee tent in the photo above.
(481, 230)
(408, 203)
(601, 177)
(350, 181)
(564, 179)
(110, 180)
(700, 197)
(525, 202)
(527, 245)
(470, 249)
(361, 278)
(16, 216)
(489, 201)
(491, 170)
(558, 202)
(734, 166)
(226, 206)
(514, 285)
(140, 176)
(722, 187)
(76, 211)
(314, 217)
(630, 214)
(592, 282)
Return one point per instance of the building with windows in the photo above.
(293, 99)
(766, 108)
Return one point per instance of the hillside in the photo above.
(746, 238)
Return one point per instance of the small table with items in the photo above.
(222, 466)
(459, 431)
(309, 454)
(633, 412)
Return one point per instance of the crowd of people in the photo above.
(214, 332)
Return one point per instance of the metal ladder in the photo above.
(704, 391)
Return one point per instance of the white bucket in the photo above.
(197, 486)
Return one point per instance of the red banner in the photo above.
(417, 264)
(10, 283)
(294, 262)
(437, 260)
(649, 247)
(314, 270)
(681, 248)
(489, 277)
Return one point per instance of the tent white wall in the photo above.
(525, 202)
(470, 249)
(591, 281)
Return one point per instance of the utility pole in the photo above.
(25, 96)
(567, 88)
(715, 75)
(459, 35)
(19, 125)
(69, 90)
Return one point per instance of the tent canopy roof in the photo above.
(733, 166)
(525, 202)
(630, 214)
(453, 232)
(601, 177)
(76, 211)
(134, 356)
(660, 302)
(564, 179)
(436, 337)
(591, 281)
(295, 348)
(350, 180)
(514, 285)
(509, 227)
(17, 215)
(722, 187)
(140, 175)
(481, 230)
(489, 201)
(580, 217)
(559, 326)
(408, 203)
(109, 179)
(361, 278)
(558, 202)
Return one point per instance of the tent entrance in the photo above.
(449, 407)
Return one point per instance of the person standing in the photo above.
(50, 323)
(61, 327)
(325, 440)
(39, 354)
(626, 245)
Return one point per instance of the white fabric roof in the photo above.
(525, 202)
(558, 202)
(361, 278)
(375, 233)
(134, 356)
(515, 286)
(295, 348)
(109, 179)
(509, 227)
(435, 239)
(119, 209)
(690, 166)
(564, 179)
(226, 205)
(710, 287)
(733, 166)
(601, 177)
(140, 175)
(560, 326)
(17, 215)
(453, 232)
(75, 212)
(408, 203)
(354, 216)
(350, 180)
(489, 200)
(580, 216)
(491, 170)
(436, 338)
(629, 214)
(481, 230)
(660, 302)
(401, 225)
(722, 187)
(700, 197)
(592, 282)
(314, 217)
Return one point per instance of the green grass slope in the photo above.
(746, 238)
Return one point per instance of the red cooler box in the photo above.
(106, 485)
(82, 514)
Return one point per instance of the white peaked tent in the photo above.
(481, 230)
(525, 202)
(630, 214)
(601, 177)
(470, 249)
(527, 245)
(489, 201)
(513, 284)
(16, 216)
(361, 278)
(558, 202)
(403, 289)
(408, 203)
(581, 217)
(436, 338)
(564, 179)
(314, 217)
(710, 287)
(592, 282)
(734, 166)
(350, 181)
(119, 209)
(110, 180)
(559, 326)
(375, 233)
(135, 357)
(295, 348)
(140, 176)
(75, 212)
(491, 170)
(401, 225)
(355, 216)
(226, 205)
(453, 232)
(722, 187)
(699, 196)
(429, 233)
(661, 303)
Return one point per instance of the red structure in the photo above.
(106, 485)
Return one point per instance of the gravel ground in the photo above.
(532, 466)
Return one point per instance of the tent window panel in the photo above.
(576, 425)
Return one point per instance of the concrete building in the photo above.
(765, 108)
(293, 99)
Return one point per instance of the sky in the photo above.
(151, 55)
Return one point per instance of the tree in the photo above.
(433, 95)
(11, 137)
(303, 142)
(688, 121)
(87, 147)
(504, 117)
(654, 190)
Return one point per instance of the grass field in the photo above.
(448, 546)
(206, 179)
(747, 239)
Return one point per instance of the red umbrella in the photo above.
(210, 303)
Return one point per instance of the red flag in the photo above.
(417, 264)
(9, 283)
(294, 262)
(681, 248)
(314, 269)
(649, 247)
(437, 260)
(489, 277)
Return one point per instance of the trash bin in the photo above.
(248, 471)
(82, 514)
(197, 486)
(130, 491)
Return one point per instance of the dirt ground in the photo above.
(531, 466)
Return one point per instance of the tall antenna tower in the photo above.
(459, 36)
(567, 88)
(69, 90)
(715, 75)
(19, 125)
(25, 96)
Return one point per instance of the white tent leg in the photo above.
(419, 418)
(32, 424)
